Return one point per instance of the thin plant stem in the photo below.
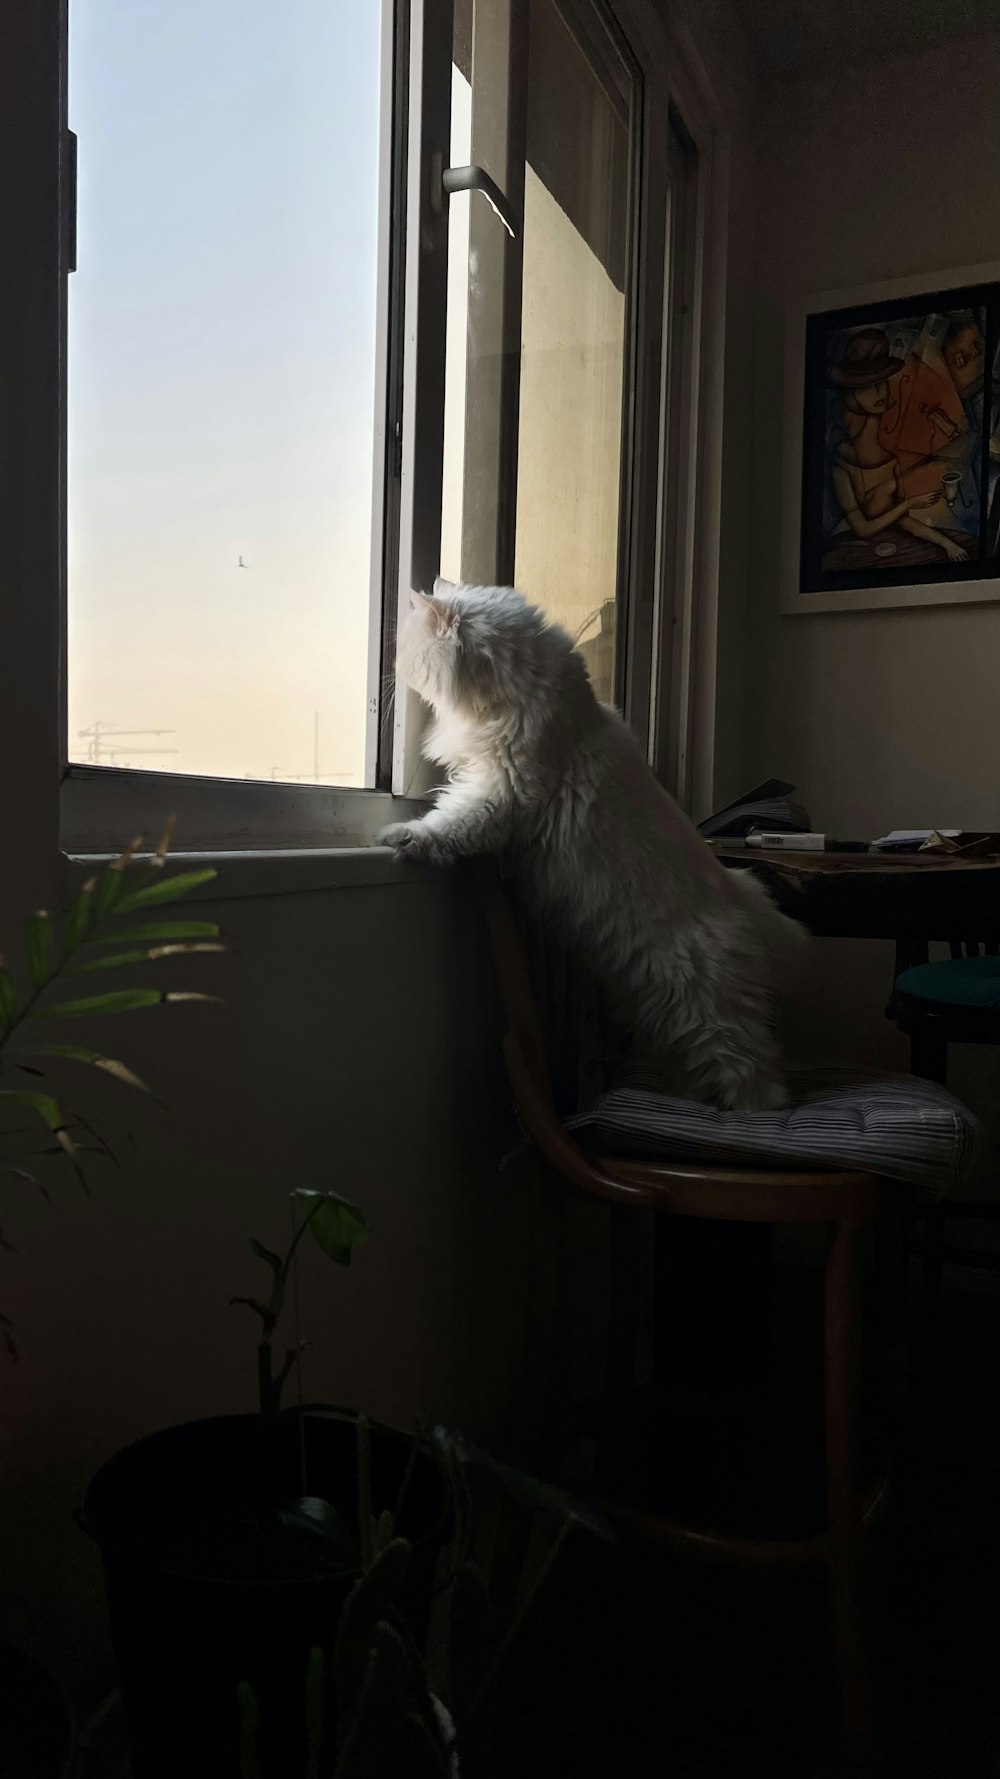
(519, 1616)
(297, 1323)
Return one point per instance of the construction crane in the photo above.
(303, 777)
(100, 755)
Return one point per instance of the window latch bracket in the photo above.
(445, 181)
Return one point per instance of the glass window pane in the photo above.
(488, 94)
(456, 347)
(221, 385)
(573, 332)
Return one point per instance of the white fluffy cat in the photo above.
(683, 948)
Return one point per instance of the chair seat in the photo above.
(893, 1126)
(968, 984)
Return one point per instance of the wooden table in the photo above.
(911, 899)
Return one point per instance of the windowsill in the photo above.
(101, 808)
(310, 871)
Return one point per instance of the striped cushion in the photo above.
(894, 1126)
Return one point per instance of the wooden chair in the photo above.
(846, 1203)
(956, 1001)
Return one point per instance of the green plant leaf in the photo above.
(473, 1642)
(323, 1520)
(123, 1000)
(203, 948)
(395, 1729)
(38, 944)
(249, 1721)
(150, 955)
(165, 842)
(106, 893)
(79, 916)
(8, 997)
(541, 1497)
(268, 1255)
(50, 1112)
(21, 1173)
(370, 1599)
(109, 886)
(107, 1064)
(252, 1303)
(366, 1523)
(158, 930)
(101, 1144)
(339, 1227)
(317, 1687)
(47, 1108)
(117, 961)
(384, 1531)
(165, 889)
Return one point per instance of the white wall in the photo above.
(887, 719)
(358, 1049)
(884, 719)
(717, 48)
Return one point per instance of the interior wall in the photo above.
(357, 1048)
(718, 53)
(883, 719)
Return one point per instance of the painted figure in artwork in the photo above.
(901, 443)
(899, 460)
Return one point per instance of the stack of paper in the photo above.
(765, 809)
(911, 839)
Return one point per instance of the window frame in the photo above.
(668, 576)
(103, 806)
(687, 570)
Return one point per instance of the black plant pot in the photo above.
(206, 1594)
(36, 1730)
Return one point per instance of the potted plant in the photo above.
(115, 924)
(386, 1704)
(230, 1546)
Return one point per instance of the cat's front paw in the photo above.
(402, 837)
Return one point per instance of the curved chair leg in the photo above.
(844, 1484)
(623, 1332)
(929, 1049)
(931, 1283)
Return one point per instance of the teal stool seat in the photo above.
(961, 983)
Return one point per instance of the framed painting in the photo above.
(892, 487)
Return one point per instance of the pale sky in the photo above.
(221, 373)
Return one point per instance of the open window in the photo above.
(362, 294)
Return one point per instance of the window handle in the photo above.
(69, 200)
(455, 179)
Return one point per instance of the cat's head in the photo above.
(478, 650)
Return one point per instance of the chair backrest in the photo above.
(555, 996)
(513, 976)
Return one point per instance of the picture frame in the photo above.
(891, 492)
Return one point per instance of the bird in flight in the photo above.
(241, 564)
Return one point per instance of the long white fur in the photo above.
(684, 949)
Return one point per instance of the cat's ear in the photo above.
(442, 588)
(435, 613)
